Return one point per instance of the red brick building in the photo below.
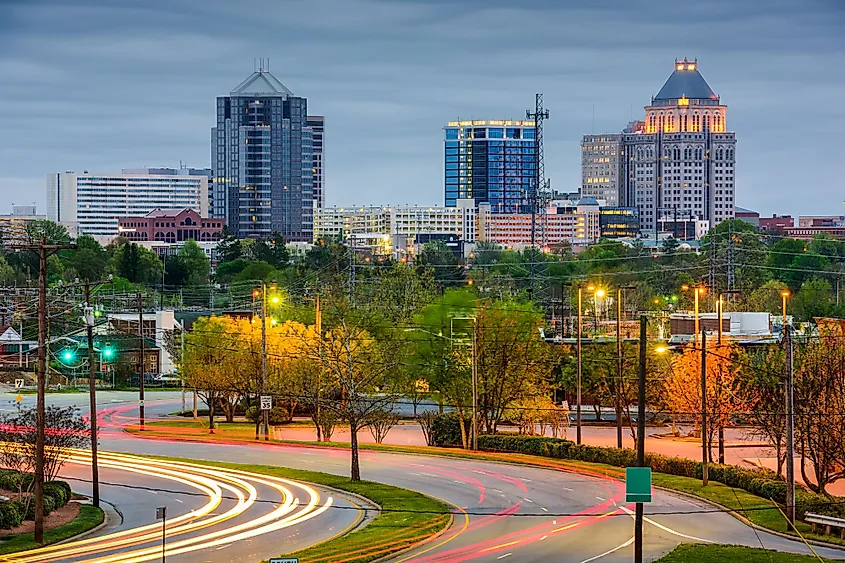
(776, 223)
(172, 226)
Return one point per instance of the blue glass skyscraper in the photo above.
(261, 154)
(492, 162)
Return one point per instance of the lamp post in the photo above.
(785, 295)
(720, 308)
(618, 402)
(265, 414)
(578, 380)
(697, 291)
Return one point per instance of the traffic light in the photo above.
(68, 355)
(108, 352)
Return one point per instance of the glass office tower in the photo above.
(492, 162)
(262, 161)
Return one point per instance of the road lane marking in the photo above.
(544, 509)
(608, 552)
(505, 555)
(500, 546)
(665, 528)
(544, 537)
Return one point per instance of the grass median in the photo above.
(89, 517)
(698, 553)
(407, 517)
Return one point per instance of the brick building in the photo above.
(170, 226)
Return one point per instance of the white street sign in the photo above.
(19, 384)
(266, 402)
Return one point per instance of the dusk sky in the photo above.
(104, 85)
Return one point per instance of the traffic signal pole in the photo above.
(92, 396)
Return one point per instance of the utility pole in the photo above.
(704, 445)
(578, 387)
(539, 116)
(618, 367)
(44, 250)
(790, 427)
(475, 385)
(92, 395)
(638, 518)
(142, 359)
(182, 364)
(351, 267)
(265, 415)
(318, 325)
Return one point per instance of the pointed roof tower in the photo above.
(261, 83)
(686, 82)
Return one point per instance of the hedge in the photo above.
(12, 513)
(761, 482)
(277, 416)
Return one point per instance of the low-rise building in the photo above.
(775, 223)
(13, 227)
(171, 226)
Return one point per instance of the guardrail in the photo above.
(827, 521)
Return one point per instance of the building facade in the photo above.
(317, 123)
(170, 226)
(92, 204)
(776, 223)
(14, 226)
(619, 222)
(682, 157)
(491, 162)
(601, 167)
(262, 161)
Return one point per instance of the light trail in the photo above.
(188, 532)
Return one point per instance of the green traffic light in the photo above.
(108, 352)
(68, 355)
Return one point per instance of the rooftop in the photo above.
(686, 82)
(261, 83)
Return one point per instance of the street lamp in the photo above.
(785, 295)
(265, 418)
(697, 291)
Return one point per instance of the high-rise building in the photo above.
(14, 227)
(601, 167)
(262, 160)
(681, 160)
(91, 204)
(491, 162)
(317, 123)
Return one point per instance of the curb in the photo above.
(749, 523)
(95, 529)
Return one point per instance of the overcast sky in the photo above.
(104, 85)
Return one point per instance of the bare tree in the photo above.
(426, 420)
(65, 431)
(380, 424)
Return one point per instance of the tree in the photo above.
(683, 388)
(744, 240)
(814, 299)
(400, 292)
(819, 406)
(273, 251)
(761, 383)
(195, 261)
(7, 273)
(229, 247)
(89, 259)
(358, 369)
(136, 264)
(256, 271)
(444, 263)
(53, 232)
(768, 297)
(66, 431)
(227, 271)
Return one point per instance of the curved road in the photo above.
(501, 510)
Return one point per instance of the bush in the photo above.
(278, 415)
(11, 480)
(10, 515)
(446, 430)
(49, 506)
(59, 491)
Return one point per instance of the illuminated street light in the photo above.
(274, 299)
(785, 295)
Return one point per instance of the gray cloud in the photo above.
(103, 85)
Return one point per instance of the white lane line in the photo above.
(527, 499)
(505, 555)
(430, 475)
(497, 490)
(222, 547)
(567, 489)
(543, 508)
(608, 552)
(177, 500)
(670, 530)
(544, 537)
(600, 498)
(554, 522)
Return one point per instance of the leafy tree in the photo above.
(783, 252)
(136, 264)
(400, 291)
(7, 273)
(768, 297)
(196, 263)
(53, 232)
(273, 251)
(814, 299)
(229, 246)
(748, 251)
(226, 271)
(88, 260)
(256, 271)
(444, 263)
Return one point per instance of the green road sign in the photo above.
(284, 560)
(638, 484)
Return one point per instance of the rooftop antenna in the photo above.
(253, 64)
(268, 64)
(594, 119)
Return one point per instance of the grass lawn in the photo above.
(89, 517)
(408, 517)
(698, 553)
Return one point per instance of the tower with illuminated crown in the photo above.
(680, 161)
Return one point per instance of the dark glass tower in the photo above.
(491, 162)
(262, 161)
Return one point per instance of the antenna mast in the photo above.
(539, 116)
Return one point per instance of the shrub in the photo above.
(278, 415)
(10, 515)
(59, 491)
(11, 480)
(49, 506)
(446, 430)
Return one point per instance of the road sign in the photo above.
(284, 560)
(19, 384)
(161, 512)
(638, 484)
(565, 405)
(19, 399)
(266, 402)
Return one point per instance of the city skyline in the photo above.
(77, 98)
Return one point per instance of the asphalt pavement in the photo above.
(501, 510)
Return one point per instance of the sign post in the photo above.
(161, 514)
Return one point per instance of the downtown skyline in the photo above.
(386, 86)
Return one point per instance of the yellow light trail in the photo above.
(211, 482)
